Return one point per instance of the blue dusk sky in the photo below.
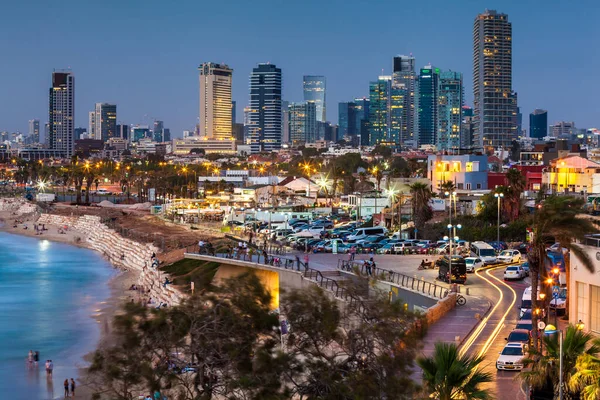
(143, 55)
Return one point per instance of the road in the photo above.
(488, 338)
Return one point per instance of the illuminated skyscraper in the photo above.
(315, 90)
(303, 122)
(386, 108)
(494, 100)
(450, 103)
(215, 101)
(538, 124)
(61, 113)
(263, 128)
(405, 77)
(105, 121)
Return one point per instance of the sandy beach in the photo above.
(118, 285)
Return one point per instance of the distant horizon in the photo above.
(143, 56)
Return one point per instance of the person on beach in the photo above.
(36, 357)
(66, 384)
(72, 387)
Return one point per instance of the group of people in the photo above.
(370, 266)
(33, 358)
(206, 248)
(71, 392)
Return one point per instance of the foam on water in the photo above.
(48, 294)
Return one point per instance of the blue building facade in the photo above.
(450, 103)
(428, 105)
(467, 171)
(538, 124)
(386, 106)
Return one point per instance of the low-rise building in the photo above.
(572, 174)
(584, 299)
(221, 146)
(367, 204)
(467, 171)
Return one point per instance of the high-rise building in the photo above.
(78, 133)
(563, 128)
(347, 119)
(34, 130)
(105, 121)
(123, 131)
(468, 129)
(314, 90)
(92, 124)
(303, 122)
(233, 112)
(264, 115)
(361, 112)
(166, 135)
(62, 112)
(450, 103)
(386, 107)
(538, 124)
(405, 76)
(47, 134)
(215, 101)
(494, 100)
(285, 122)
(158, 126)
(428, 105)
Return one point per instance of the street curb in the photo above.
(476, 325)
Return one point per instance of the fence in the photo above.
(405, 281)
(284, 263)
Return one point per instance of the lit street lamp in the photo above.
(499, 196)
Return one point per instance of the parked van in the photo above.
(458, 274)
(362, 233)
(485, 252)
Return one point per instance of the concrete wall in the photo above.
(415, 300)
(583, 282)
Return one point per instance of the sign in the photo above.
(541, 325)
(151, 194)
(555, 291)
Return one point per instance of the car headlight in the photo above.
(500, 362)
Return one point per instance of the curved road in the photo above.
(488, 339)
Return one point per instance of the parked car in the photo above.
(499, 245)
(473, 263)
(524, 324)
(525, 267)
(387, 248)
(403, 247)
(511, 357)
(371, 247)
(519, 336)
(514, 272)
(509, 256)
(426, 248)
(315, 230)
(371, 239)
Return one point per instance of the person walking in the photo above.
(66, 383)
(72, 387)
(306, 259)
(352, 253)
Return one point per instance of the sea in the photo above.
(49, 293)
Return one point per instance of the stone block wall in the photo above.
(121, 252)
(436, 312)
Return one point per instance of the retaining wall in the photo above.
(121, 252)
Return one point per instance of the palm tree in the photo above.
(545, 366)
(558, 217)
(447, 186)
(516, 185)
(421, 195)
(586, 379)
(448, 375)
(378, 175)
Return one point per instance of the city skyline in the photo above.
(167, 89)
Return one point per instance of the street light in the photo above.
(549, 330)
(452, 234)
(391, 194)
(499, 196)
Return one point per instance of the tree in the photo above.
(377, 173)
(361, 351)
(512, 200)
(557, 217)
(545, 365)
(421, 196)
(448, 375)
(381, 150)
(586, 379)
(197, 151)
(447, 186)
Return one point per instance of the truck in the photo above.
(456, 274)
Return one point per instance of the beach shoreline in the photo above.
(118, 285)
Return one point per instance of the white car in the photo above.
(473, 263)
(509, 256)
(514, 272)
(511, 357)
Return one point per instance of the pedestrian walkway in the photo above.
(457, 324)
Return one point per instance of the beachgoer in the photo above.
(72, 387)
(36, 356)
(66, 384)
(30, 357)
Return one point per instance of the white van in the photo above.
(526, 300)
(362, 233)
(485, 252)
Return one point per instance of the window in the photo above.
(479, 186)
(594, 308)
(468, 186)
(456, 166)
(581, 311)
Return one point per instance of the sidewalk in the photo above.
(456, 324)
